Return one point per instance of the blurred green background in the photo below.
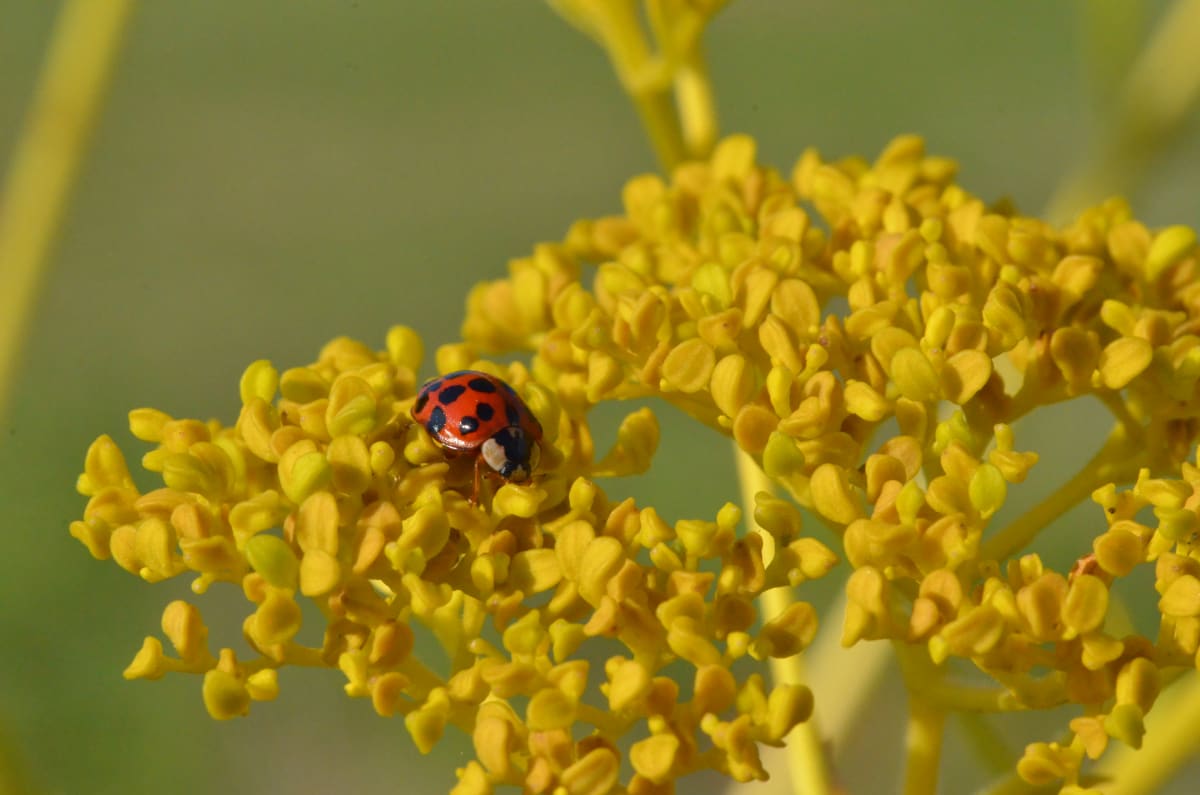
(268, 176)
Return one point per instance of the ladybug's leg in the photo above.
(475, 494)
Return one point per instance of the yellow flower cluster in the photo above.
(325, 490)
(870, 333)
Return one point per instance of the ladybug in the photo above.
(472, 413)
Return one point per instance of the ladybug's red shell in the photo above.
(464, 410)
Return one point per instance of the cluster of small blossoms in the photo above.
(325, 490)
(870, 333)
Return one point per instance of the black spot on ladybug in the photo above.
(437, 421)
(484, 411)
(511, 414)
(421, 401)
(468, 425)
(482, 385)
(451, 394)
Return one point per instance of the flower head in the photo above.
(325, 490)
(870, 333)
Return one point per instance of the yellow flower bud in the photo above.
(601, 558)
(263, 685)
(1125, 723)
(965, 374)
(789, 633)
(549, 709)
(1099, 650)
(604, 374)
(303, 471)
(319, 573)
(863, 401)
(628, 683)
(1076, 354)
(832, 495)
(595, 774)
(655, 757)
(225, 696)
(1041, 605)
(787, 706)
(637, 442)
(495, 739)
(1086, 604)
(1138, 683)
(271, 557)
(261, 512)
(277, 619)
(426, 724)
(260, 380)
(303, 385)
(1045, 763)
(1090, 731)
(987, 490)
(149, 663)
(1004, 314)
(975, 632)
(687, 641)
(350, 464)
(915, 375)
(1169, 247)
(148, 424)
(1181, 598)
(689, 366)
(183, 626)
(1124, 360)
(352, 407)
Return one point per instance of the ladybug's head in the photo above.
(511, 453)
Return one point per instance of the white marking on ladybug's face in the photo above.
(493, 454)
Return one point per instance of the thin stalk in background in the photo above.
(807, 764)
(68, 99)
(1150, 108)
(1172, 741)
(923, 746)
(664, 74)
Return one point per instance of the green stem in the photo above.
(669, 87)
(930, 683)
(658, 118)
(69, 96)
(608, 723)
(991, 748)
(1115, 462)
(697, 108)
(1155, 101)
(848, 678)
(1172, 740)
(923, 744)
(808, 767)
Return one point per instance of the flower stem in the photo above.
(697, 109)
(669, 86)
(658, 118)
(808, 768)
(990, 747)
(1114, 461)
(923, 741)
(846, 677)
(67, 101)
(1154, 103)
(1173, 740)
